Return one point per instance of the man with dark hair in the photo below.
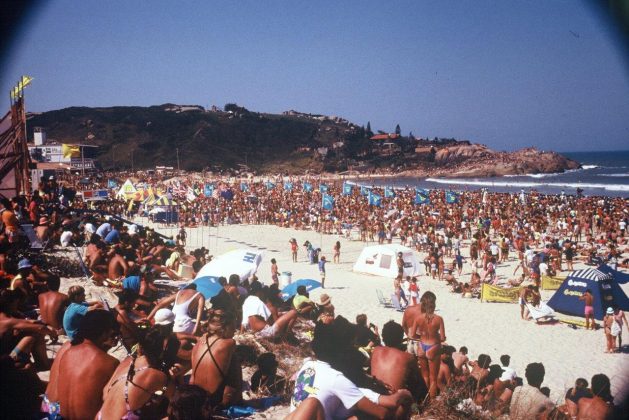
(257, 317)
(460, 361)
(508, 373)
(600, 406)
(528, 402)
(82, 368)
(302, 302)
(395, 367)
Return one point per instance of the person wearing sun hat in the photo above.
(43, 230)
(608, 323)
(326, 309)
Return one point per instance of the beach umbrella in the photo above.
(291, 290)
(243, 262)
(208, 286)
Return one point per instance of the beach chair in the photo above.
(36, 244)
(382, 300)
(396, 303)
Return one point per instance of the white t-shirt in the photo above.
(508, 374)
(254, 306)
(335, 392)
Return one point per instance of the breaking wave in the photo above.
(525, 184)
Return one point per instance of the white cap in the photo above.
(90, 228)
(164, 316)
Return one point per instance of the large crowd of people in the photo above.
(182, 359)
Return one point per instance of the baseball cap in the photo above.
(164, 316)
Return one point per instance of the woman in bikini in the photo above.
(430, 331)
(215, 366)
(185, 303)
(142, 385)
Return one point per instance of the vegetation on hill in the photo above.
(235, 138)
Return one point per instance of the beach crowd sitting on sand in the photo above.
(181, 360)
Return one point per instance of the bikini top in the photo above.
(157, 398)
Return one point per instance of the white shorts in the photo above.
(269, 331)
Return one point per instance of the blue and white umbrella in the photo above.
(208, 286)
(291, 290)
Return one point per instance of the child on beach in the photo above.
(322, 262)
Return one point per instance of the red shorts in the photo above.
(589, 310)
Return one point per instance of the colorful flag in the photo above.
(112, 183)
(327, 201)
(70, 150)
(421, 198)
(208, 190)
(288, 186)
(269, 185)
(244, 187)
(347, 189)
(323, 188)
(452, 197)
(364, 190)
(388, 192)
(307, 187)
(190, 196)
(374, 199)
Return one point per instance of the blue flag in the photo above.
(388, 192)
(323, 188)
(422, 191)
(347, 189)
(307, 187)
(364, 190)
(208, 190)
(112, 184)
(244, 187)
(452, 197)
(288, 186)
(374, 199)
(269, 185)
(327, 201)
(421, 198)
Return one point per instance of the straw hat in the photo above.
(324, 300)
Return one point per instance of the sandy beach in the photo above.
(491, 328)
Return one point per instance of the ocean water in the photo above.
(602, 174)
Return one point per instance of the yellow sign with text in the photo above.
(552, 283)
(491, 293)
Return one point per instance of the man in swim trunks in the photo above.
(589, 308)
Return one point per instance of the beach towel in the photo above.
(541, 311)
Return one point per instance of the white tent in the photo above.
(381, 260)
(243, 262)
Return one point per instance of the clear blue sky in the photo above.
(508, 74)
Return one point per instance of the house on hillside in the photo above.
(385, 144)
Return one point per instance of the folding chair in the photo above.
(382, 300)
(396, 303)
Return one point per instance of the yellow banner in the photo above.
(491, 293)
(69, 150)
(551, 283)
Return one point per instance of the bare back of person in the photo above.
(117, 267)
(398, 370)
(215, 367)
(593, 409)
(52, 306)
(77, 379)
(145, 383)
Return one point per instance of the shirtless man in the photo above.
(525, 293)
(117, 268)
(83, 363)
(460, 362)
(599, 407)
(52, 304)
(411, 313)
(95, 259)
(274, 272)
(394, 367)
(589, 308)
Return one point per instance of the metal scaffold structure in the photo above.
(15, 159)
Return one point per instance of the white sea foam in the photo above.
(525, 184)
(586, 167)
(615, 175)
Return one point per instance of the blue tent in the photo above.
(619, 276)
(603, 286)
